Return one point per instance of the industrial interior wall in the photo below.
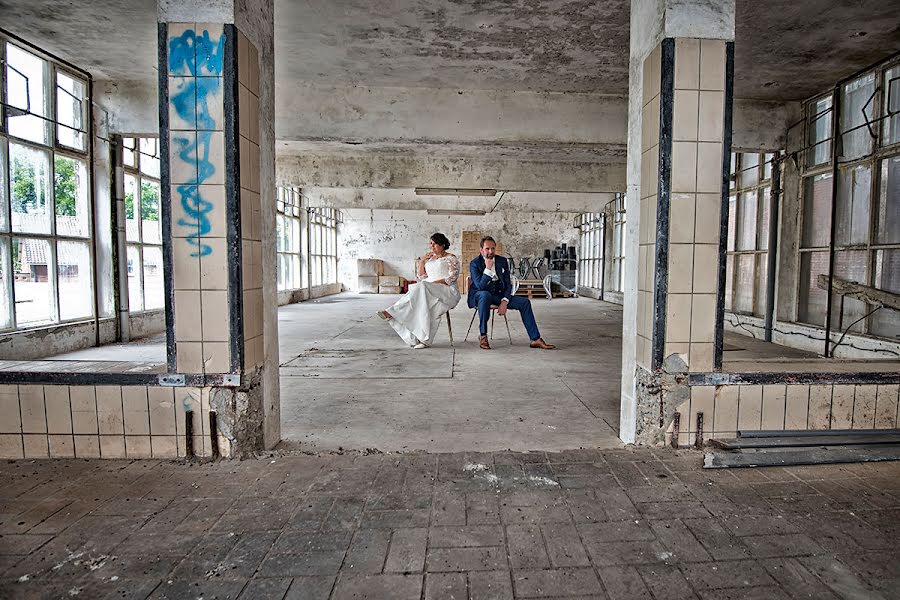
(398, 236)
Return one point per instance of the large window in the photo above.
(143, 232)
(323, 224)
(288, 227)
(46, 250)
(746, 267)
(590, 257)
(617, 273)
(866, 240)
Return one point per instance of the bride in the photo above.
(417, 315)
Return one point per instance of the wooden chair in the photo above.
(494, 308)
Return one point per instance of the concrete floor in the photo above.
(363, 388)
(617, 524)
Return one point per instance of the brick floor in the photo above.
(617, 524)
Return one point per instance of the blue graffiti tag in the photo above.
(192, 55)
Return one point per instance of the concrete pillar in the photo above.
(217, 141)
(680, 102)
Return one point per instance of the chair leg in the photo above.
(469, 330)
(449, 328)
(493, 316)
(507, 330)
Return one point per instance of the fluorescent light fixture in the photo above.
(454, 192)
(437, 211)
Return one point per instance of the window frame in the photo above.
(322, 231)
(591, 255)
(881, 152)
(53, 148)
(761, 188)
(141, 245)
(617, 259)
(289, 208)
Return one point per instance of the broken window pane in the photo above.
(729, 279)
(813, 299)
(891, 131)
(886, 322)
(149, 148)
(33, 275)
(30, 189)
(765, 201)
(4, 205)
(767, 165)
(818, 122)
(749, 169)
(850, 265)
(743, 287)
(762, 269)
(151, 230)
(76, 296)
(71, 107)
(129, 152)
(747, 220)
(5, 286)
(816, 211)
(888, 214)
(732, 223)
(135, 297)
(26, 95)
(852, 211)
(71, 195)
(857, 108)
(154, 292)
(132, 215)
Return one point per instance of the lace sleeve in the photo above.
(453, 265)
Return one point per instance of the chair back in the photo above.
(468, 283)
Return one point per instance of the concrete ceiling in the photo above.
(784, 51)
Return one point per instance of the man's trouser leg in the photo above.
(523, 305)
(484, 301)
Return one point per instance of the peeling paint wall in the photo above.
(398, 236)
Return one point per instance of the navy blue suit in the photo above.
(484, 292)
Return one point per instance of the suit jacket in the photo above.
(481, 282)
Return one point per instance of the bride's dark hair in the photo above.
(441, 240)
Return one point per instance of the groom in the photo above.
(491, 285)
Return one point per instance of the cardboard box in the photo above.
(367, 285)
(369, 267)
(389, 280)
(386, 289)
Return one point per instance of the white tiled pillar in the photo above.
(211, 122)
(679, 133)
(216, 123)
(682, 138)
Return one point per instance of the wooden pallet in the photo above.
(531, 288)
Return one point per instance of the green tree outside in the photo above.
(149, 202)
(66, 187)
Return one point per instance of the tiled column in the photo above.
(210, 128)
(685, 137)
(678, 136)
(217, 137)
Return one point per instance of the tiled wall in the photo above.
(198, 204)
(729, 408)
(649, 189)
(111, 421)
(251, 218)
(695, 200)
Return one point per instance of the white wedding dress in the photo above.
(417, 315)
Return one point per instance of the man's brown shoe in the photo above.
(540, 343)
(483, 342)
